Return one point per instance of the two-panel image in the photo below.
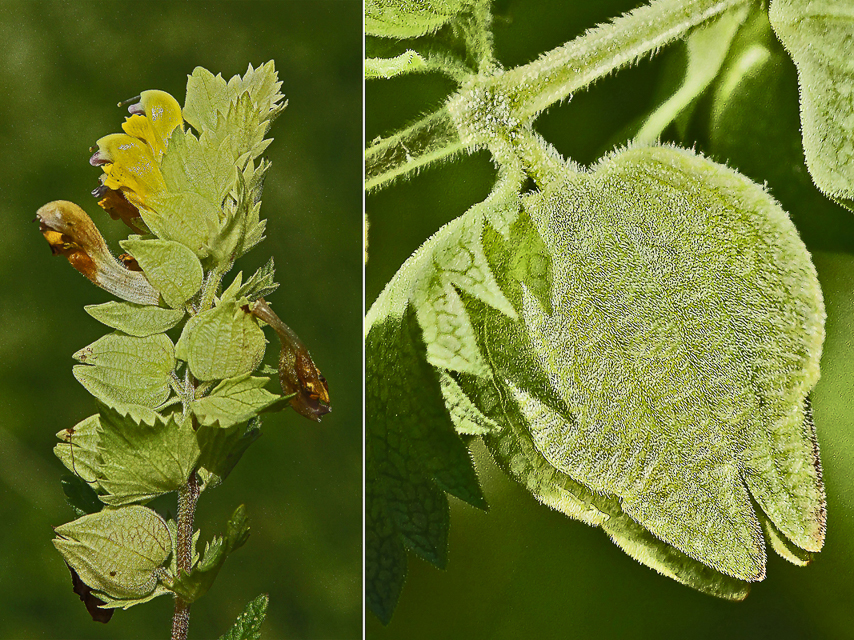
(406, 319)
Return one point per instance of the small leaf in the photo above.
(116, 551)
(170, 267)
(819, 35)
(407, 62)
(127, 370)
(221, 449)
(248, 623)
(234, 401)
(190, 587)
(141, 461)
(135, 319)
(206, 95)
(79, 449)
(409, 18)
(223, 342)
(261, 284)
(199, 165)
(184, 217)
(80, 496)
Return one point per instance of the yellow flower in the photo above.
(131, 160)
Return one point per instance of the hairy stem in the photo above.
(560, 72)
(187, 498)
(431, 138)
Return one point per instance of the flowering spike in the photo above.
(70, 232)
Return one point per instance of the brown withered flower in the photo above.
(297, 372)
(70, 232)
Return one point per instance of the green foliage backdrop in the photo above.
(522, 570)
(63, 68)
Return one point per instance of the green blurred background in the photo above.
(63, 68)
(522, 570)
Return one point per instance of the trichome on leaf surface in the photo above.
(174, 416)
(635, 341)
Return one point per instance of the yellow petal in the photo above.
(161, 113)
(129, 165)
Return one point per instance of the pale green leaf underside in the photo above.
(141, 461)
(224, 342)
(407, 62)
(135, 319)
(409, 18)
(184, 217)
(819, 35)
(233, 401)
(171, 268)
(247, 626)
(685, 335)
(117, 552)
(78, 450)
(127, 370)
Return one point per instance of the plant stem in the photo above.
(570, 67)
(187, 498)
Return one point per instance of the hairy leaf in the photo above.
(184, 217)
(170, 267)
(127, 370)
(819, 35)
(79, 449)
(685, 335)
(234, 401)
(261, 284)
(135, 319)
(142, 461)
(409, 18)
(223, 342)
(407, 62)
(116, 551)
(248, 623)
(222, 447)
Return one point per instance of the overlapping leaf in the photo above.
(135, 319)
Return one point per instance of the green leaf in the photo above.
(206, 95)
(409, 18)
(263, 86)
(118, 552)
(142, 461)
(170, 267)
(261, 284)
(79, 449)
(221, 449)
(707, 48)
(247, 626)
(407, 62)
(184, 217)
(818, 36)
(223, 342)
(127, 370)
(412, 458)
(234, 401)
(203, 165)
(685, 337)
(194, 585)
(80, 496)
(135, 319)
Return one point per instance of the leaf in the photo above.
(247, 626)
(407, 62)
(116, 551)
(135, 319)
(818, 34)
(234, 401)
(184, 217)
(685, 337)
(170, 267)
(223, 342)
(409, 18)
(412, 458)
(707, 48)
(142, 461)
(190, 587)
(80, 496)
(128, 370)
(221, 449)
(203, 166)
(206, 95)
(79, 449)
(261, 284)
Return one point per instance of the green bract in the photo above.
(409, 18)
(635, 342)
